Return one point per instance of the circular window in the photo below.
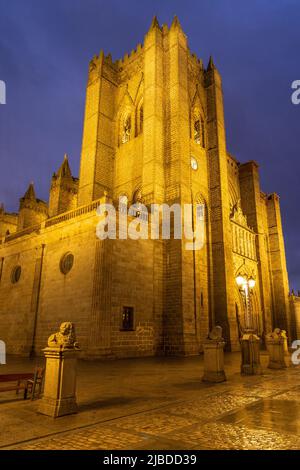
(66, 263)
(16, 274)
(194, 163)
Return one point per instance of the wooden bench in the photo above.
(14, 381)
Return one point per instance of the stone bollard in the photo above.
(275, 347)
(59, 397)
(214, 356)
(250, 348)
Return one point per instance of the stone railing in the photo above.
(72, 214)
(53, 221)
(21, 233)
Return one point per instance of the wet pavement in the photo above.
(161, 403)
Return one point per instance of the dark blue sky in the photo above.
(45, 47)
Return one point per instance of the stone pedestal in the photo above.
(250, 349)
(275, 347)
(59, 397)
(214, 362)
(214, 357)
(285, 343)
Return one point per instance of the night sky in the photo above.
(45, 47)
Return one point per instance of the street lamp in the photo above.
(246, 284)
(250, 342)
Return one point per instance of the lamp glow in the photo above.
(240, 280)
(252, 283)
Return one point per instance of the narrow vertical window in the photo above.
(197, 137)
(202, 133)
(16, 274)
(126, 132)
(141, 118)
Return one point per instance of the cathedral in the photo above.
(153, 132)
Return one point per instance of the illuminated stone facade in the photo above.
(146, 117)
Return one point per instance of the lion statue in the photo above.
(64, 338)
(276, 334)
(216, 333)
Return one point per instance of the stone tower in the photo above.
(64, 189)
(146, 116)
(159, 92)
(32, 210)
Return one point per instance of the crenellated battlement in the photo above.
(127, 58)
(97, 61)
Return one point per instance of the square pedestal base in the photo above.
(250, 345)
(276, 365)
(216, 377)
(56, 408)
(251, 369)
(276, 354)
(213, 361)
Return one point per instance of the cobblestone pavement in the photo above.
(165, 406)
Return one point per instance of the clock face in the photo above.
(194, 163)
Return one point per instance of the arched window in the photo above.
(126, 130)
(137, 196)
(135, 209)
(139, 120)
(123, 199)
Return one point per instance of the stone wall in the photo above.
(48, 297)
